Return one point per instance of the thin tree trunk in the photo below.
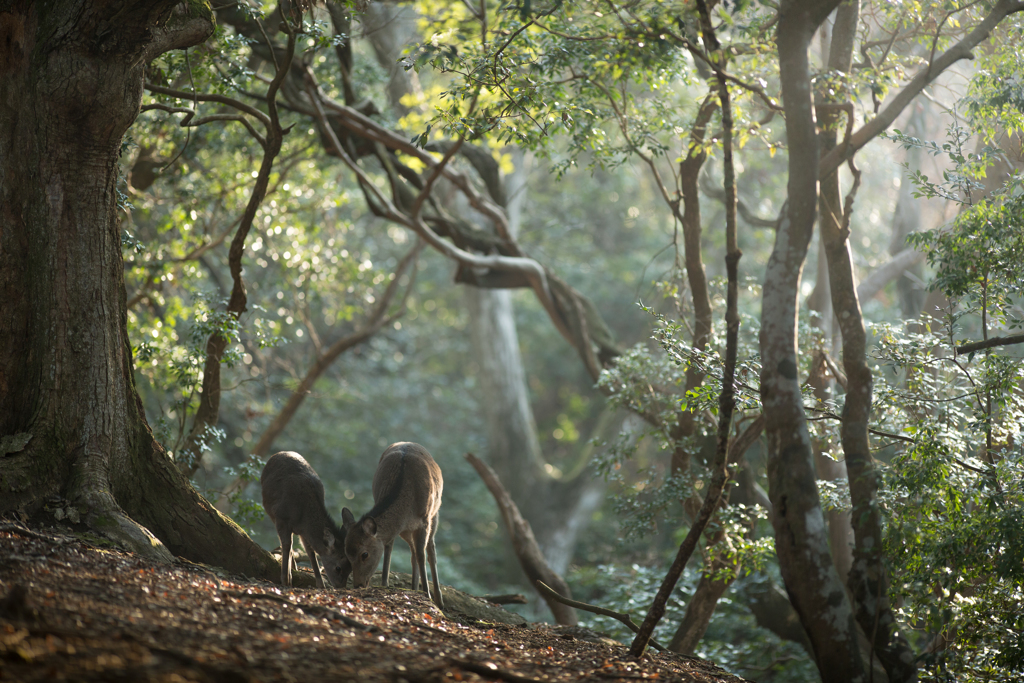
(718, 575)
(838, 54)
(868, 579)
(208, 413)
(801, 541)
(727, 396)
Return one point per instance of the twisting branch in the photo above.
(727, 397)
(211, 97)
(560, 301)
(208, 412)
(191, 122)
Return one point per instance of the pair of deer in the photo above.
(407, 496)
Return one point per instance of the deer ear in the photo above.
(347, 518)
(329, 540)
(370, 526)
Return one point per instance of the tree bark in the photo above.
(70, 85)
(868, 579)
(801, 539)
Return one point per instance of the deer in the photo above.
(407, 489)
(293, 497)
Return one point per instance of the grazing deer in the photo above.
(293, 497)
(407, 495)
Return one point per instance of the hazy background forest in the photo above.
(384, 339)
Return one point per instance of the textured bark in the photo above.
(70, 85)
(868, 579)
(801, 539)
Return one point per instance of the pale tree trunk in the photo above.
(390, 28)
(840, 533)
(906, 219)
(838, 54)
(801, 539)
(70, 87)
(556, 510)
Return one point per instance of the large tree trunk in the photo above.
(71, 84)
(801, 540)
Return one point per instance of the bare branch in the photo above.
(549, 592)
(885, 118)
(990, 343)
(524, 543)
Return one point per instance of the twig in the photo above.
(313, 610)
(547, 592)
(22, 531)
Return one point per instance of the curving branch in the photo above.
(885, 118)
(189, 24)
(208, 413)
(525, 545)
(887, 272)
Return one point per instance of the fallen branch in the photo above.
(524, 543)
(504, 599)
(547, 592)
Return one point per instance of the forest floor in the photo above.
(74, 611)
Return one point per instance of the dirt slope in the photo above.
(71, 611)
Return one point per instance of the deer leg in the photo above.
(432, 558)
(313, 561)
(385, 572)
(419, 556)
(286, 557)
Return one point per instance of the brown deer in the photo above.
(407, 496)
(293, 497)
